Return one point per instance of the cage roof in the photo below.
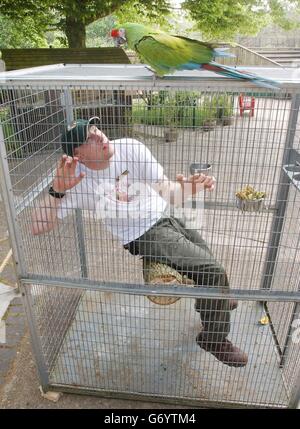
(127, 74)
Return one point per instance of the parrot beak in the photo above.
(118, 34)
(119, 41)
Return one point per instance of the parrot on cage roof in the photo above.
(166, 53)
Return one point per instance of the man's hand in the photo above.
(65, 174)
(196, 183)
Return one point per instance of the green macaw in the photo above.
(166, 53)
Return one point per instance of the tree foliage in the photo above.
(74, 19)
(219, 19)
(73, 16)
(286, 14)
(98, 33)
(143, 13)
(24, 35)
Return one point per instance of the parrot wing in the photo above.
(198, 42)
(167, 53)
(215, 48)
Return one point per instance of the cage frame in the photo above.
(148, 80)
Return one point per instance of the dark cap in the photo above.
(74, 136)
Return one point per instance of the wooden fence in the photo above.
(23, 58)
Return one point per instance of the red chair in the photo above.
(246, 103)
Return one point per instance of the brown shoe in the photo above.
(233, 304)
(224, 351)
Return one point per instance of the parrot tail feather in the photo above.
(242, 75)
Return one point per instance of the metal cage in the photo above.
(92, 325)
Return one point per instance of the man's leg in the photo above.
(194, 236)
(215, 314)
(167, 243)
(207, 272)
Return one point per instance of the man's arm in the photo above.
(169, 190)
(177, 192)
(44, 216)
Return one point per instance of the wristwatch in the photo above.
(55, 194)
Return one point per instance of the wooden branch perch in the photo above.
(158, 273)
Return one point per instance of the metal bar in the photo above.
(295, 395)
(35, 192)
(11, 215)
(22, 72)
(35, 338)
(161, 399)
(38, 189)
(288, 340)
(207, 85)
(68, 105)
(293, 159)
(273, 332)
(281, 198)
(78, 212)
(19, 258)
(184, 292)
(211, 205)
(134, 74)
(81, 243)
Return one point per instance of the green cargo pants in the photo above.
(169, 242)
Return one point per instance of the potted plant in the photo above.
(224, 109)
(209, 124)
(209, 113)
(171, 122)
(250, 200)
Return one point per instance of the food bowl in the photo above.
(250, 205)
(199, 167)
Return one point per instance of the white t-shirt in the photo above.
(126, 203)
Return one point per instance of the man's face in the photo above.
(96, 152)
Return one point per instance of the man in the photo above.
(101, 175)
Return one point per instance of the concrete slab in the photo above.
(123, 343)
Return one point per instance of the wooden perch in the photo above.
(158, 273)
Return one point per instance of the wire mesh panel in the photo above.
(107, 232)
(124, 343)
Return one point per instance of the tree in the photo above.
(24, 34)
(137, 11)
(73, 16)
(223, 19)
(98, 33)
(216, 19)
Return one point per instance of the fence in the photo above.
(243, 57)
(16, 59)
(272, 37)
(94, 328)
